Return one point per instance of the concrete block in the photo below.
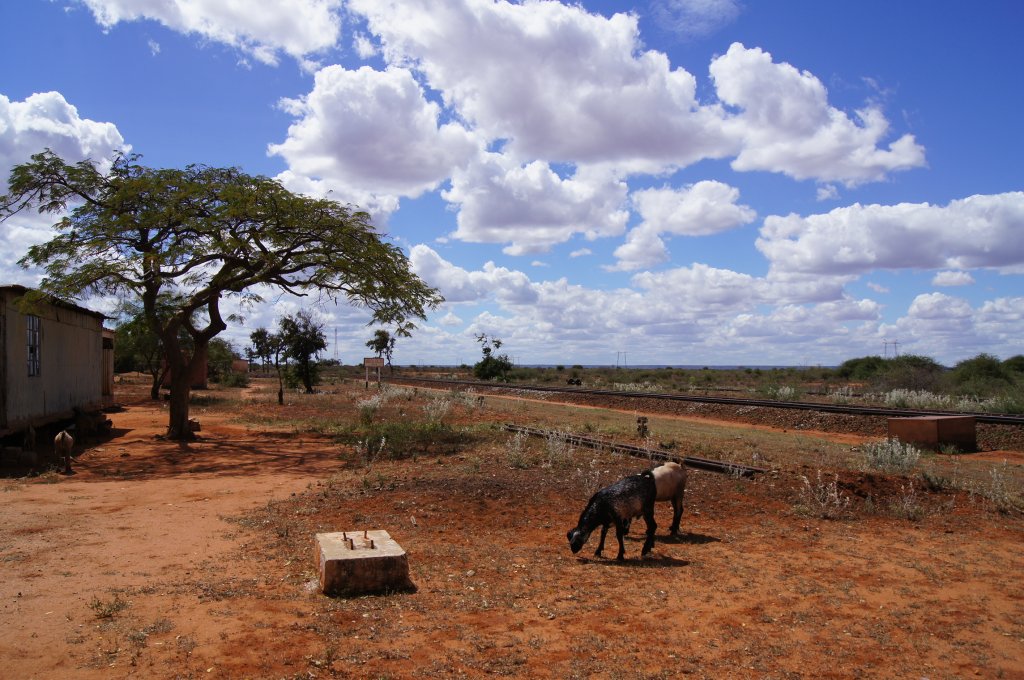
(358, 562)
(934, 432)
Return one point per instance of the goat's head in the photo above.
(577, 539)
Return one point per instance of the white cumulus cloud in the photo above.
(786, 124)
(975, 232)
(531, 207)
(702, 209)
(555, 81)
(297, 28)
(370, 136)
(952, 278)
(44, 121)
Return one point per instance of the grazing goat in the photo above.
(62, 445)
(670, 481)
(629, 497)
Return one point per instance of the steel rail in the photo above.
(721, 467)
(992, 418)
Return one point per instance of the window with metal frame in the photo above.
(34, 342)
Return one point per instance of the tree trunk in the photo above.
(181, 391)
(280, 383)
(307, 376)
(158, 379)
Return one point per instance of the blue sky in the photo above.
(687, 181)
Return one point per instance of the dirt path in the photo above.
(138, 515)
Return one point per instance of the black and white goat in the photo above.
(670, 481)
(630, 497)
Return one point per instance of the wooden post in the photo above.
(374, 362)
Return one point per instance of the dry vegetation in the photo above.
(824, 567)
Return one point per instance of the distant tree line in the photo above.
(980, 376)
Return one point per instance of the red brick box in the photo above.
(935, 432)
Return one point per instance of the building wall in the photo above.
(71, 363)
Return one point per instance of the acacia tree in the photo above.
(383, 343)
(204, 234)
(492, 365)
(302, 338)
(262, 345)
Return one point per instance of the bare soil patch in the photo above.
(161, 560)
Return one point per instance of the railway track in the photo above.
(993, 418)
(722, 467)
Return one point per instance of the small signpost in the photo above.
(373, 362)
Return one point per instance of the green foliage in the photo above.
(383, 344)
(1015, 364)
(263, 345)
(406, 439)
(235, 379)
(302, 339)
(908, 371)
(983, 375)
(861, 369)
(220, 355)
(492, 366)
(204, 234)
(289, 377)
(138, 347)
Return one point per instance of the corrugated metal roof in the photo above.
(56, 302)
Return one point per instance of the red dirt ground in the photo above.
(160, 560)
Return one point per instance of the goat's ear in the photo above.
(568, 534)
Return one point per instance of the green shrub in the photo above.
(491, 367)
(862, 368)
(981, 376)
(400, 440)
(234, 379)
(910, 371)
(1015, 364)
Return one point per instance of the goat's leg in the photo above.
(600, 545)
(651, 526)
(620, 531)
(677, 514)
